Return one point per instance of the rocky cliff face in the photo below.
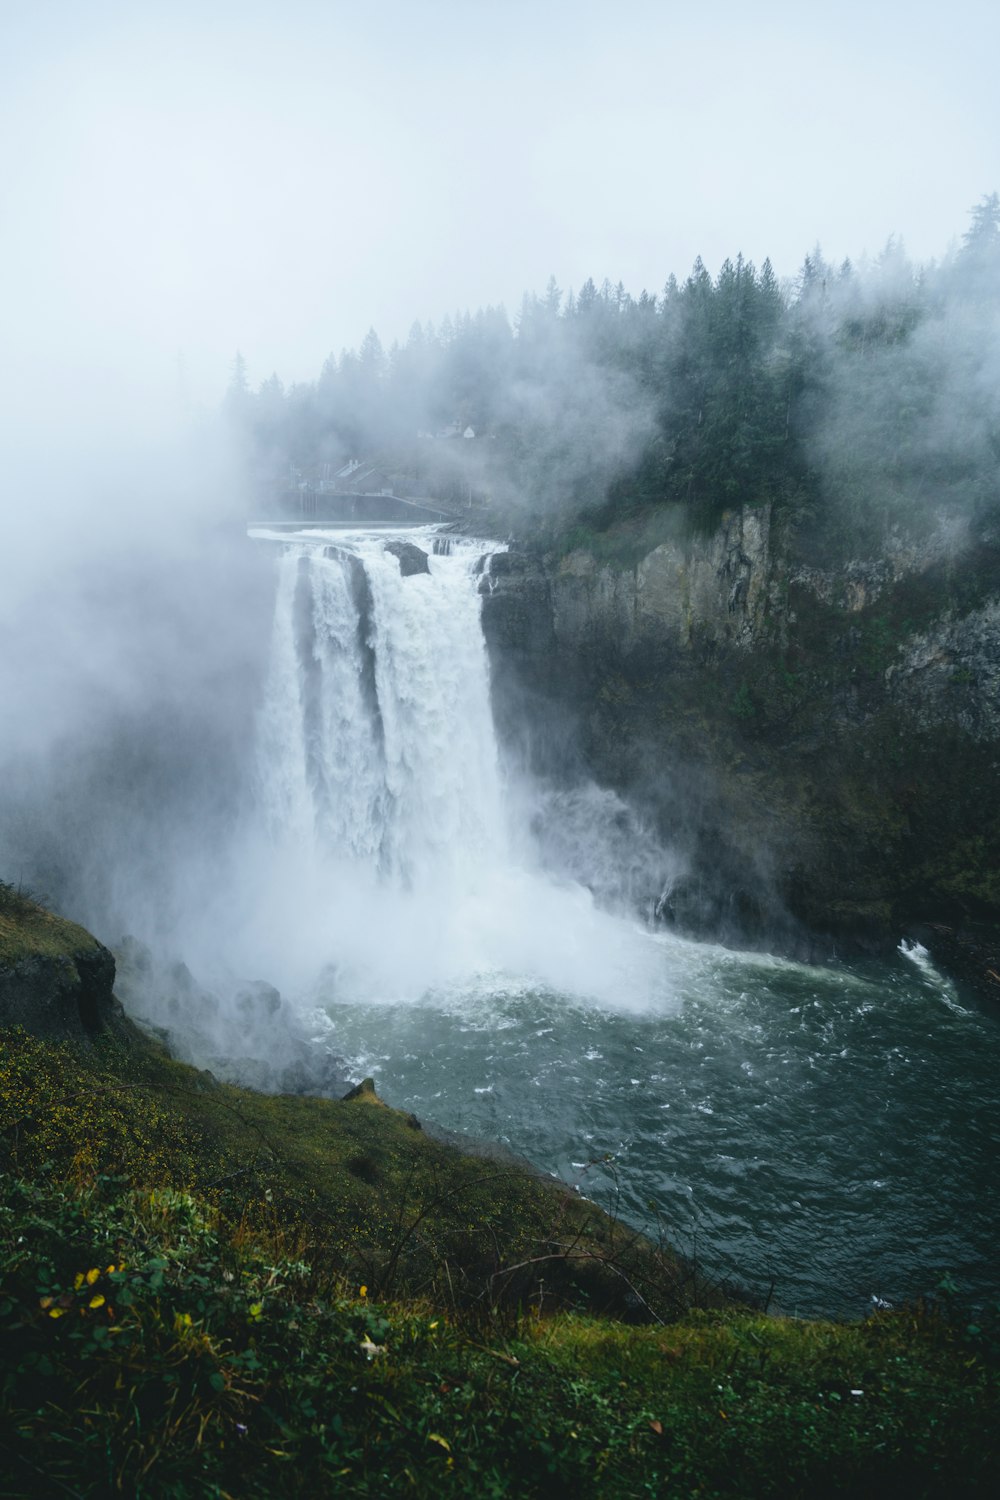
(56, 981)
(821, 743)
(676, 595)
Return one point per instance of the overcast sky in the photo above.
(179, 180)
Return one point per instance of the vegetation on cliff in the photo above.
(380, 1200)
(54, 976)
(29, 930)
(854, 399)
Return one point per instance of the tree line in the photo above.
(856, 395)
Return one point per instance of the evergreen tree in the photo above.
(237, 399)
(831, 397)
(983, 233)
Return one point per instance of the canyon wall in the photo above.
(820, 742)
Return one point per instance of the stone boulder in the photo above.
(411, 558)
(56, 980)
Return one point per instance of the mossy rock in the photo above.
(56, 979)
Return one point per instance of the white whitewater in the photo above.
(376, 738)
(392, 865)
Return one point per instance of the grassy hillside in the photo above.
(372, 1196)
(148, 1352)
(208, 1292)
(28, 930)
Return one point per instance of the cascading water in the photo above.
(380, 789)
(376, 740)
(833, 1129)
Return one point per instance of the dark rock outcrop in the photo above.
(56, 981)
(411, 558)
(258, 1000)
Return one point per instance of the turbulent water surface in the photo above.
(833, 1131)
(830, 1130)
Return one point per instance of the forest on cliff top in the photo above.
(857, 398)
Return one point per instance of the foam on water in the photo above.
(923, 963)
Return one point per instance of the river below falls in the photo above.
(831, 1131)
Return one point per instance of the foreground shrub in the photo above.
(147, 1353)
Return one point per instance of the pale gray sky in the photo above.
(277, 175)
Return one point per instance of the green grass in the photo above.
(147, 1352)
(374, 1197)
(27, 929)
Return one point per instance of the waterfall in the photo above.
(387, 859)
(376, 742)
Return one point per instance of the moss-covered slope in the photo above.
(375, 1197)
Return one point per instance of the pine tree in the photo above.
(237, 401)
(983, 234)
